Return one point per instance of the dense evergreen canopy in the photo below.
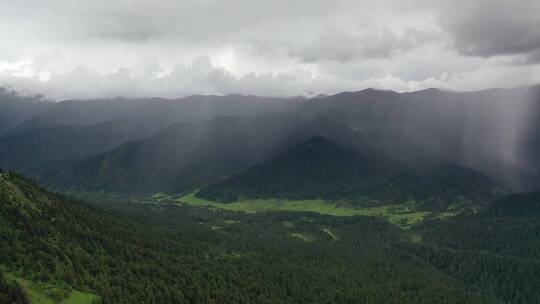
(139, 253)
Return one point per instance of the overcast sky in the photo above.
(172, 48)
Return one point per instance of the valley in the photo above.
(274, 248)
(269, 152)
(306, 203)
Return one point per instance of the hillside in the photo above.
(494, 131)
(320, 169)
(270, 152)
(15, 109)
(191, 155)
(501, 243)
(170, 254)
(179, 158)
(61, 145)
(164, 111)
(314, 169)
(38, 147)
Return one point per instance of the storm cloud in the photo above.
(494, 27)
(90, 49)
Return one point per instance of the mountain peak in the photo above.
(320, 169)
(316, 168)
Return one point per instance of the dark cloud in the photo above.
(332, 45)
(341, 46)
(125, 30)
(494, 27)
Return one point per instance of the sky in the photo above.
(66, 49)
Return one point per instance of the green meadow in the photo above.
(41, 293)
(402, 215)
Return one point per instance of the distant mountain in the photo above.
(73, 130)
(319, 169)
(37, 147)
(167, 111)
(495, 131)
(179, 158)
(15, 109)
(193, 155)
(189, 155)
(314, 169)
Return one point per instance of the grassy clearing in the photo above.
(416, 238)
(78, 297)
(37, 292)
(403, 215)
(329, 233)
(303, 237)
(288, 224)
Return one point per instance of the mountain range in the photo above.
(177, 146)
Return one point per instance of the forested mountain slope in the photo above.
(500, 243)
(320, 169)
(173, 254)
(37, 147)
(15, 109)
(163, 111)
(492, 131)
(34, 132)
(179, 158)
